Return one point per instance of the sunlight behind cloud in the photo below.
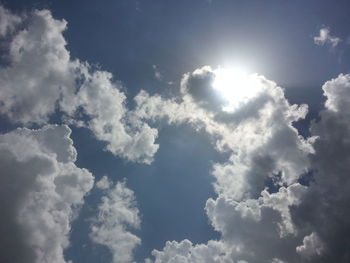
(236, 87)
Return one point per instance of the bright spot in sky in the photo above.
(235, 86)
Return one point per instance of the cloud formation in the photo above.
(323, 212)
(8, 21)
(289, 222)
(41, 190)
(41, 79)
(117, 212)
(325, 38)
(264, 210)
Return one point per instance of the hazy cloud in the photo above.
(157, 73)
(325, 38)
(8, 21)
(117, 212)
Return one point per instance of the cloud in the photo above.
(325, 38)
(197, 87)
(258, 229)
(41, 192)
(41, 79)
(99, 105)
(312, 246)
(294, 223)
(261, 139)
(157, 73)
(104, 183)
(8, 21)
(117, 212)
(263, 144)
(186, 252)
(323, 210)
(38, 72)
(261, 210)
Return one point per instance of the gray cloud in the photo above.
(323, 211)
(41, 190)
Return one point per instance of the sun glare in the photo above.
(236, 86)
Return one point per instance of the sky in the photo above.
(186, 131)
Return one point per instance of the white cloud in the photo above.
(104, 183)
(255, 225)
(337, 92)
(274, 227)
(44, 187)
(312, 245)
(259, 135)
(325, 38)
(41, 190)
(104, 104)
(41, 78)
(39, 70)
(117, 212)
(186, 252)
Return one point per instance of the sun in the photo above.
(236, 86)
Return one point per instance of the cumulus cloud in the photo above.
(256, 224)
(323, 210)
(261, 139)
(103, 102)
(263, 144)
(41, 79)
(186, 252)
(311, 246)
(38, 72)
(41, 191)
(117, 212)
(196, 86)
(325, 38)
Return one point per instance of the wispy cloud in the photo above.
(325, 38)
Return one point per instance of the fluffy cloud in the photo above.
(117, 212)
(41, 79)
(284, 222)
(38, 72)
(325, 38)
(255, 224)
(258, 229)
(103, 103)
(297, 223)
(197, 87)
(312, 246)
(41, 191)
(186, 252)
(260, 138)
(323, 212)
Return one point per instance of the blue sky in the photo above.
(118, 145)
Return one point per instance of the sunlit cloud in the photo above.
(235, 86)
